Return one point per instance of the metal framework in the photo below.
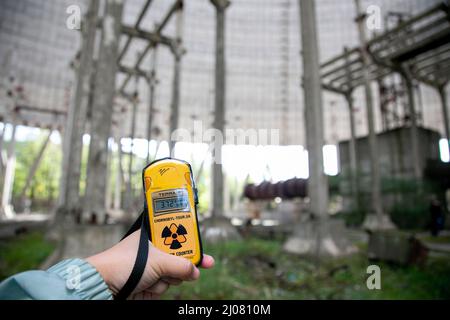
(418, 48)
(344, 73)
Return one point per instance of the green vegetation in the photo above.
(24, 252)
(405, 200)
(257, 269)
(44, 187)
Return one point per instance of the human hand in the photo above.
(162, 269)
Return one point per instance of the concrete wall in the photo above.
(395, 156)
(394, 152)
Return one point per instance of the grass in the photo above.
(441, 239)
(258, 269)
(24, 252)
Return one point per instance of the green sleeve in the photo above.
(72, 279)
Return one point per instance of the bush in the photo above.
(410, 214)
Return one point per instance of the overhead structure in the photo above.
(57, 83)
(87, 88)
(417, 49)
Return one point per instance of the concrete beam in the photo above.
(136, 25)
(145, 35)
(133, 71)
(150, 45)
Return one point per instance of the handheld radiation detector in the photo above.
(171, 197)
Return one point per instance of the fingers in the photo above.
(159, 288)
(144, 295)
(207, 262)
(175, 267)
(153, 292)
(172, 281)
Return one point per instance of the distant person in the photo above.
(101, 276)
(437, 216)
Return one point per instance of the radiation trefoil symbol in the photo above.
(174, 236)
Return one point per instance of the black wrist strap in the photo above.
(141, 257)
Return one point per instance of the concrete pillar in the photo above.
(8, 182)
(317, 183)
(152, 81)
(376, 208)
(130, 188)
(109, 170)
(319, 236)
(218, 228)
(413, 129)
(103, 100)
(2, 161)
(177, 51)
(34, 167)
(119, 177)
(2, 155)
(69, 196)
(219, 111)
(444, 103)
(352, 152)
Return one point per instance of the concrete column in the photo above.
(376, 202)
(7, 209)
(218, 228)
(152, 81)
(34, 167)
(219, 111)
(69, 198)
(413, 129)
(130, 189)
(444, 103)
(177, 51)
(2, 162)
(109, 170)
(352, 152)
(319, 236)
(317, 183)
(102, 111)
(119, 177)
(352, 143)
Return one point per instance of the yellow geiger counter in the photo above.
(169, 218)
(172, 199)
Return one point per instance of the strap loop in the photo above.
(141, 257)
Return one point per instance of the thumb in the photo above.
(175, 267)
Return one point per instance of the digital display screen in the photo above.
(172, 200)
(178, 203)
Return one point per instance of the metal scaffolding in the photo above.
(417, 48)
